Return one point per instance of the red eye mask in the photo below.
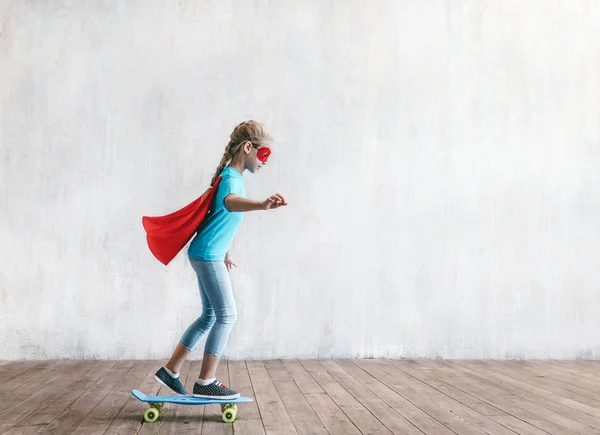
(263, 154)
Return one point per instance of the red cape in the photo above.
(167, 235)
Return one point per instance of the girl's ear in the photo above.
(247, 146)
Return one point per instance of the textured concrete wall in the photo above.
(441, 161)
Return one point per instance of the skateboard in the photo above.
(228, 406)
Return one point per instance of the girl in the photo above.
(209, 257)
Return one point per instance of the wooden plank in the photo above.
(248, 420)
(303, 417)
(470, 409)
(50, 409)
(55, 370)
(422, 420)
(12, 398)
(519, 400)
(393, 420)
(568, 369)
(129, 418)
(568, 376)
(590, 369)
(421, 396)
(124, 363)
(17, 412)
(558, 404)
(539, 377)
(311, 397)
(362, 418)
(330, 414)
(301, 377)
(35, 371)
(10, 369)
(24, 430)
(504, 400)
(102, 416)
(593, 364)
(436, 380)
(276, 419)
(546, 373)
(582, 368)
(71, 417)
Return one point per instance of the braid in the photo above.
(230, 151)
(224, 160)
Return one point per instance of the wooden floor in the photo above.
(310, 397)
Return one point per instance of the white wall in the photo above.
(441, 161)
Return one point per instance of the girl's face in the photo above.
(256, 156)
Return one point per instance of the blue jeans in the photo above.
(219, 311)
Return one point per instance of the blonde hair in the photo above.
(252, 131)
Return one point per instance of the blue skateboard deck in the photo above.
(228, 406)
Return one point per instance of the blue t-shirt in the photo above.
(216, 231)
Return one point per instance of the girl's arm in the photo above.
(236, 203)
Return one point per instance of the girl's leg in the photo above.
(178, 358)
(169, 374)
(217, 286)
(209, 366)
(215, 280)
(194, 332)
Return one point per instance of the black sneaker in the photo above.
(216, 390)
(164, 378)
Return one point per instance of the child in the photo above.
(209, 257)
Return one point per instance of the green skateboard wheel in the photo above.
(151, 415)
(229, 415)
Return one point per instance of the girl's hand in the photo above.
(274, 201)
(229, 264)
